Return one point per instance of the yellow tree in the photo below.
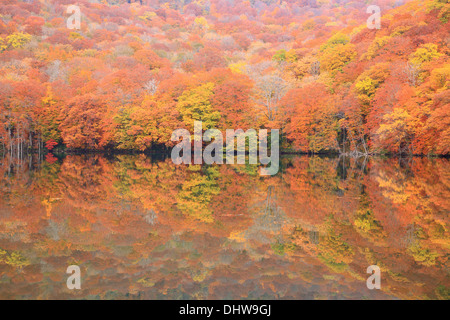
(333, 59)
(195, 105)
(396, 132)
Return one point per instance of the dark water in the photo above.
(143, 228)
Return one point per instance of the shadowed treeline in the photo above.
(142, 227)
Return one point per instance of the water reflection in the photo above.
(140, 227)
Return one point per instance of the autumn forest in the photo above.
(133, 73)
(87, 113)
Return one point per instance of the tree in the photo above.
(209, 58)
(412, 72)
(313, 123)
(270, 89)
(438, 129)
(396, 132)
(333, 59)
(232, 99)
(196, 194)
(335, 41)
(440, 78)
(367, 84)
(50, 144)
(308, 65)
(425, 53)
(195, 105)
(84, 126)
(18, 39)
(141, 127)
(48, 117)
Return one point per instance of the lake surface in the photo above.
(140, 227)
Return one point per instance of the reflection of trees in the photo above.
(123, 219)
(418, 191)
(365, 221)
(271, 218)
(335, 252)
(314, 237)
(152, 184)
(196, 194)
(423, 255)
(268, 219)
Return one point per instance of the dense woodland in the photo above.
(136, 71)
(140, 226)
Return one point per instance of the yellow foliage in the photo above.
(195, 104)
(291, 56)
(357, 30)
(444, 9)
(440, 78)
(444, 14)
(335, 40)
(146, 282)
(2, 255)
(423, 255)
(15, 259)
(309, 24)
(368, 82)
(200, 276)
(335, 58)
(400, 30)
(335, 252)
(18, 39)
(75, 35)
(425, 53)
(196, 195)
(201, 22)
(376, 45)
(396, 128)
(237, 67)
(331, 24)
(148, 16)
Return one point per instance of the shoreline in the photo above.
(282, 153)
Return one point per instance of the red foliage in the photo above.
(50, 144)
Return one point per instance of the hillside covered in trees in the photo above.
(134, 72)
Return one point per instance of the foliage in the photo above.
(335, 252)
(334, 58)
(18, 39)
(195, 105)
(135, 72)
(425, 53)
(396, 130)
(197, 193)
(334, 41)
(14, 259)
(422, 255)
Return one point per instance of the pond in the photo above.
(140, 227)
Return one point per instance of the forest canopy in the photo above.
(137, 70)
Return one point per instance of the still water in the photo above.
(140, 227)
